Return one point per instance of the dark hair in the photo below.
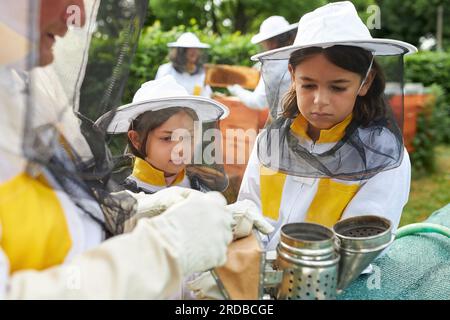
(178, 58)
(151, 120)
(368, 108)
(285, 39)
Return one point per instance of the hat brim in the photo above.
(198, 46)
(206, 109)
(259, 37)
(378, 47)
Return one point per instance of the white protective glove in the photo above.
(151, 205)
(138, 265)
(201, 228)
(235, 89)
(205, 287)
(252, 99)
(149, 262)
(246, 216)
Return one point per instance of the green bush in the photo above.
(152, 51)
(431, 122)
(431, 69)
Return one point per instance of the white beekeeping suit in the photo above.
(276, 30)
(353, 167)
(192, 80)
(52, 222)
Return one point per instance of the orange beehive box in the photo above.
(412, 106)
(238, 145)
(222, 75)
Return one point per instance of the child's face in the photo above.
(269, 45)
(167, 155)
(326, 93)
(192, 55)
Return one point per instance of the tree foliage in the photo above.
(227, 16)
(412, 19)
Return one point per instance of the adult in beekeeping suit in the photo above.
(56, 208)
(274, 32)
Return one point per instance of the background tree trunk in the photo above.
(240, 22)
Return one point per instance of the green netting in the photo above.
(415, 267)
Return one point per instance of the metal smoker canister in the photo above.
(362, 239)
(308, 258)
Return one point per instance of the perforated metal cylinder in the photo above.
(307, 255)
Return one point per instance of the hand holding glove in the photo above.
(150, 205)
(246, 216)
(204, 287)
(235, 89)
(201, 228)
(147, 263)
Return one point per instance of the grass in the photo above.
(431, 192)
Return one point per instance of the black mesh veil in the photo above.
(62, 101)
(277, 81)
(364, 150)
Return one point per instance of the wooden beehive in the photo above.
(413, 105)
(245, 119)
(222, 75)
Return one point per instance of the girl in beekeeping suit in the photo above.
(274, 32)
(161, 113)
(186, 64)
(160, 124)
(337, 150)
